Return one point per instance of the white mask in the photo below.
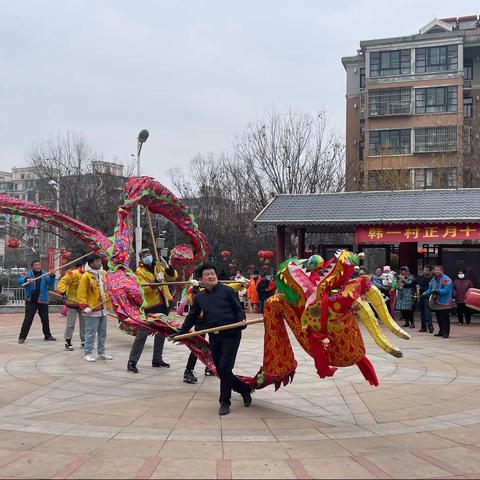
(461, 275)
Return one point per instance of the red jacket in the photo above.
(460, 287)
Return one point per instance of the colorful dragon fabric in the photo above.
(318, 300)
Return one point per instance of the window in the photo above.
(389, 142)
(467, 107)
(436, 59)
(361, 150)
(468, 69)
(362, 78)
(434, 178)
(435, 139)
(436, 100)
(389, 101)
(393, 62)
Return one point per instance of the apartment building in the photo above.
(413, 109)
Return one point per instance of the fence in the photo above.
(15, 296)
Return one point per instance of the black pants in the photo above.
(141, 338)
(224, 352)
(407, 315)
(262, 304)
(30, 310)
(443, 320)
(461, 310)
(192, 360)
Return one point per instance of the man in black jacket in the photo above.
(220, 306)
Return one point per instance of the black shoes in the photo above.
(161, 364)
(247, 399)
(21, 340)
(68, 345)
(430, 329)
(132, 367)
(189, 377)
(405, 325)
(423, 330)
(439, 334)
(412, 325)
(208, 373)
(224, 409)
(51, 338)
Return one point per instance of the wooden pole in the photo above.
(152, 236)
(185, 283)
(59, 268)
(216, 329)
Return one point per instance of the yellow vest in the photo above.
(88, 293)
(155, 296)
(69, 284)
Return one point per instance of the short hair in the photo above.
(205, 266)
(91, 258)
(35, 261)
(79, 263)
(429, 267)
(438, 266)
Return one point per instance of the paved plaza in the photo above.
(61, 417)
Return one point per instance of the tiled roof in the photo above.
(404, 206)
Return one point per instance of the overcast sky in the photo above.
(193, 72)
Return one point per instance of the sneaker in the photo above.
(132, 367)
(104, 356)
(431, 329)
(423, 330)
(89, 358)
(247, 399)
(224, 409)
(460, 323)
(68, 345)
(161, 364)
(51, 338)
(412, 325)
(82, 344)
(189, 377)
(21, 340)
(405, 325)
(209, 373)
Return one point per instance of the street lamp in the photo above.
(141, 139)
(54, 184)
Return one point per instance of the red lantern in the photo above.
(225, 254)
(12, 242)
(265, 256)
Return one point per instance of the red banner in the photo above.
(416, 233)
(51, 258)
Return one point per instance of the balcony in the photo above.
(389, 102)
(467, 85)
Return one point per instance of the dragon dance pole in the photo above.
(59, 268)
(152, 236)
(216, 329)
(184, 283)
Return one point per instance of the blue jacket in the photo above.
(444, 288)
(45, 284)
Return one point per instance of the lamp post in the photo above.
(141, 139)
(55, 185)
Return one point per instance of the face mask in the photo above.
(148, 260)
(461, 275)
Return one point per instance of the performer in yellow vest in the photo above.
(158, 301)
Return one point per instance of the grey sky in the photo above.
(192, 72)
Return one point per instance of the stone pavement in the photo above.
(61, 417)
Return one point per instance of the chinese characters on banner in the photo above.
(416, 233)
(51, 258)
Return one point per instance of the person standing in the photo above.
(93, 301)
(68, 285)
(404, 297)
(423, 282)
(440, 290)
(220, 306)
(158, 300)
(262, 291)
(253, 300)
(460, 287)
(36, 299)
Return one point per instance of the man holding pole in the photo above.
(220, 306)
(37, 283)
(158, 299)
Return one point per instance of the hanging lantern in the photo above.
(265, 256)
(225, 254)
(12, 242)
